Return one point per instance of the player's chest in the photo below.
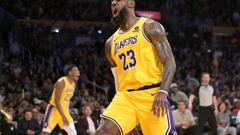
(122, 43)
(69, 91)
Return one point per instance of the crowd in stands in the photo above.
(66, 10)
(221, 12)
(26, 84)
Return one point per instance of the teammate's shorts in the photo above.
(53, 117)
(127, 109)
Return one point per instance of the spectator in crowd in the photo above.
(223, 121)
(238, 122)
(1, 54)
(38, 115)
(228, 98)
(8, 126)
(177, 95)
(236, 108)
(207, 99)
(183, 119)
(88, 123)
(28, 125)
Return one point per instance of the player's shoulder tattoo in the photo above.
(154, 30)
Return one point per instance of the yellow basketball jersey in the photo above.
(137, 61)
(66, 94)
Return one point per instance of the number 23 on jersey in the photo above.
(128, 55)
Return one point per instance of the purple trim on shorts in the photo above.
(49, 109)
(173, 130)
(114, 121)
(169, 125)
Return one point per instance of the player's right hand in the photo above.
(160, 103)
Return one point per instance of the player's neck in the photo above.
(130, 21)
(70, 80)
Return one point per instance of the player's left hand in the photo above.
(160, 102)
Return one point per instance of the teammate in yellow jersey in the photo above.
(143, 66)
(57, 111)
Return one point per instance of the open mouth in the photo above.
(114, 12)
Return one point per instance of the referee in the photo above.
(207, 100)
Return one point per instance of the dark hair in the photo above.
(182, 101)
(205, 73)
(221, 104)
(27, 110)
(68, 68)
(86, 105)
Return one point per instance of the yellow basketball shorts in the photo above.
(53, 117)
(128, 109)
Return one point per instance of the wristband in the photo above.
(163, 91)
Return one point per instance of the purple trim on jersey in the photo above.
(49, 109)
(173, 130)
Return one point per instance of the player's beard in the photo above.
(121, 17)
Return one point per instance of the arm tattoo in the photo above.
(157, 35)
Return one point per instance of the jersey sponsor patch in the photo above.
(136, 29)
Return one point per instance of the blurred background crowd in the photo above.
(32, 56)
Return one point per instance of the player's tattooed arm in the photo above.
(108, 52)
(157, 36)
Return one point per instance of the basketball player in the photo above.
(143, 65)
(58, 109)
